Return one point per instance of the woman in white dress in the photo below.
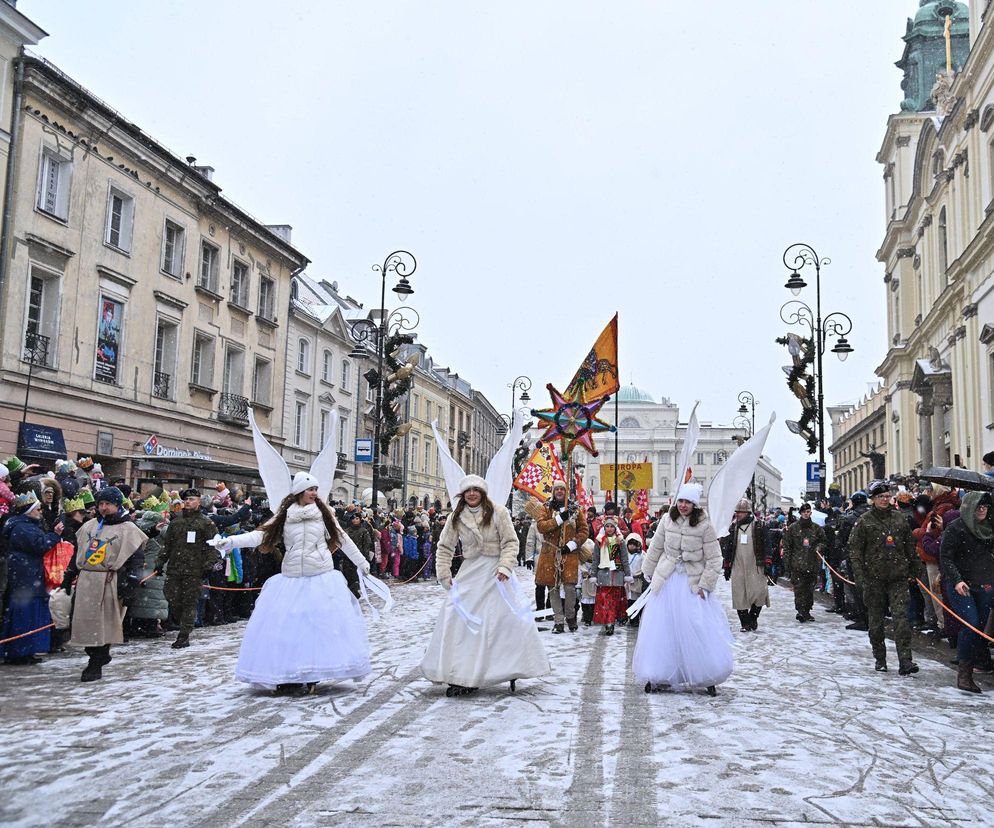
(684, 641)
(306, 626)
(484, 635)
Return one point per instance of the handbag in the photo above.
(55, 562)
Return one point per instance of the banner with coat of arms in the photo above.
(540, 472)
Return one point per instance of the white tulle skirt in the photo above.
(488, 642)
(683, 640)
(302, 630)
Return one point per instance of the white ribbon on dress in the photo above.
(379, 589)
(517, 607)
(473, 622)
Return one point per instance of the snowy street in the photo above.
(804, 731)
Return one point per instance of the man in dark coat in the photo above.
(802, 543)
(186, 558)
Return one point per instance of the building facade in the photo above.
(859, 431)
(652, 431)
(938, 248)
(143, 311)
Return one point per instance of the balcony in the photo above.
(36, 348)
(233, 408)
(342, 460)
(391, 477)
(160, 385)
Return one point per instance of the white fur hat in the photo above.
(691, 492)
(472, 481)
(302, 481)
(634, 536)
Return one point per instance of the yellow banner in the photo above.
(631, 476)
(597, 376)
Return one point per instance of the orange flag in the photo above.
(597, 375)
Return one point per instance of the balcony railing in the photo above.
(232, 408)
(342, 460)
(36, 348)
(160, 385)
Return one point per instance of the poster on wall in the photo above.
(109, 340)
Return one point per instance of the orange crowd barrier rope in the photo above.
(965, 623)
(25, 635)
(831, 569)
(233, 589)
(415, 575)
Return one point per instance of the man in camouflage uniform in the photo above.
(359, 532)
(802, 542)
(884, 561)
(189, 559)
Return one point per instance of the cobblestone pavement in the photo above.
(804, 732)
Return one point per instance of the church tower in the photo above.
(925, 50)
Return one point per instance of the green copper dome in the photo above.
(925, 50)
(630, 393)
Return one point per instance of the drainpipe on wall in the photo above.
(8, 187)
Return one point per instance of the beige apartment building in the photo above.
(858, 430)
(938, 248)
(145, 309)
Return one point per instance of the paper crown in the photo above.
(87, 497)
(14, 463)
(75, 505)
(85, 463)
(26, 502)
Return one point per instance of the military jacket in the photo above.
(800, 547)
(184, 545)
(882, 548)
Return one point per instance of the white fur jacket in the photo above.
(498, 541)
(306, 541)
(696, 546)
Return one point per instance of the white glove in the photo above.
(222, 545)
(446, 582)
(629, 579)
(365, 567)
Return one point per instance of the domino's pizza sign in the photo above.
(150, 445)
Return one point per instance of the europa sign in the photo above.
(153, 448)
(631, 476)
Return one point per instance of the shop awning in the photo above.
(196, 467)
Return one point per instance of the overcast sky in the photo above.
(547, 162)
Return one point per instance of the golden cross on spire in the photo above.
(947, 34)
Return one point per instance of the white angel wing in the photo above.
(689, 445)
(732, 479)
(326, 463)
(451, 470)
(273, 469)
(499, 477)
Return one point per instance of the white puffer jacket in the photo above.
(306, 541)
(696, 546)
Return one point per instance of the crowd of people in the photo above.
(903, 549)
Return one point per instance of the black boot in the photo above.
(744, 620)
(880, 665)
(91, 672)
(609, 629)
(754, 617)
(182, 640)
(558, 628)
(906, 668)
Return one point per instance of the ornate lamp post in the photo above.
(366, 332)
(747, 401)
(525, 384)
(795, 258)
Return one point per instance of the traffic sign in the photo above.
(363, 449)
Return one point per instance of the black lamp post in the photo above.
(796, 257)
(525, 384)
(747, 402)
(402, 263)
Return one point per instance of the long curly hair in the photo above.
(693, 518)
(486, 504)
(273, 530)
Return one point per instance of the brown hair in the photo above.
(273, 530)
(486, 503)
(693, 519)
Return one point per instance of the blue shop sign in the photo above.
(40, 441)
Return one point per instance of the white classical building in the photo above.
(653, 431)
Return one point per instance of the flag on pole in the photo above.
(597, 376)
(689, 446)
(641, 504)
(540, 472)
(732, 479)
(583, 497)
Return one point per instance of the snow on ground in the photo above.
(804, 732)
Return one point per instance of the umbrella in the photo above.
(958, 478)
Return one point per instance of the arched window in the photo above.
(304, 356)
(630, 422)
(346, 373)
(943, 243)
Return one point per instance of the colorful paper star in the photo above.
(571, 422)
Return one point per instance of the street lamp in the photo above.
(525, 384)
(402, 264)
(747, 401)
(795, 258)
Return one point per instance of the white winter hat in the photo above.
(4, 472)
(302, 481)
(691, 492)
(472, 481)
(633, 536)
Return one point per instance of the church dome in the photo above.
(631, 393)
(930, 20)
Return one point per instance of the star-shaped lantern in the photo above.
(571, 422)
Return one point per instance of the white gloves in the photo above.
(365, 567)
(629, 579)
(446, 582)
(222, 545)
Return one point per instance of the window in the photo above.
(262, 380)
(120, 219)
(110, 332)
(267, 299)
(343, 431)
(346, 374)
(42, 318)
(173, 247)
(717, 458)
(234, 364)
(630, 422)
(370, 393)
(415, 444)
(427, 457)
(54, 180)
(327, 361)
(299, 423)
(209, 256)
(700, 458)
(943, 245)
(240, 284)
(164, 366)
(325, 425)
(202, 372)
(304, 356)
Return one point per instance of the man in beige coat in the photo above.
(110, 559)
